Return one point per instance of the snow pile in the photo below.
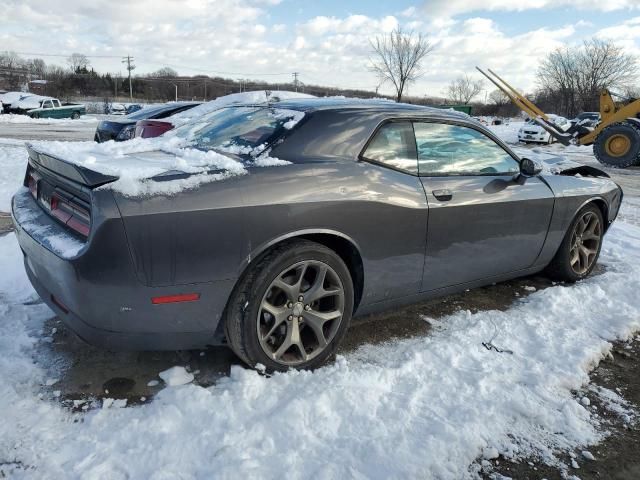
(176, 376)
(248, 98)
(507, 132)
(13, 161)
(426, 407)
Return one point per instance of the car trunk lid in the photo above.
(71, 171)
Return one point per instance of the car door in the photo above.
(57, 112)
(394, 223)
(47, 109)
(484, 218)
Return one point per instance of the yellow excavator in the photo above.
(615, 139)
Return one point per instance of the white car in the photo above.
(532, 132)
(6, 99)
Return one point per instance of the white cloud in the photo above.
(626, 35)
(219, 36)
(352, 24)
(446, 8)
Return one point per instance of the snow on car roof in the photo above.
(252, 98)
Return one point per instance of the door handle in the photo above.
(443, 195)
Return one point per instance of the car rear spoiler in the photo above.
(71, 171)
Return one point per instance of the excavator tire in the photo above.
(618, 145)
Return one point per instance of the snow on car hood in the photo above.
(11, 97)
(155, 166)
(247, 98)
(30, 102)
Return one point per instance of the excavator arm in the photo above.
(615, 140)
(528, 107)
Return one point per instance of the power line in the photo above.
(203, 70)
(128, 60)
(295, 79)
(64, 56)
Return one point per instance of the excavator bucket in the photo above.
(528, 107)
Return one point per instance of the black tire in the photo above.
(35, 115)
(75, 116)
(241, 315)
(560, 267)
(628, 155)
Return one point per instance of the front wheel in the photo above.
(580, 249)
(292, 308)
(618, 145)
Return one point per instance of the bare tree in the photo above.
(499, 98)
(397, 58)
(37, 67)
(78, 63)
(164, 72)
(10, 60)
(463, 90)
(576, 75)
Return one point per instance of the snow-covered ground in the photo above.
(13, 165)
(13, 118)
(429, 407)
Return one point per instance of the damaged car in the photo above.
(271, 226)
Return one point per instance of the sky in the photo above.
(326, 41)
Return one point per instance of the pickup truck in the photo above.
(47, 107)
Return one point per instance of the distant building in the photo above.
(38, 86)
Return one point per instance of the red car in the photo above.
(152, 128)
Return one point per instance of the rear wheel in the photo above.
(292, 308)
(580, 249)
(618, 145)
(75, 116)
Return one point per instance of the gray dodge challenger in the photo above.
(373, 205)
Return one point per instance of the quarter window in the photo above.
(445, 149)
(394, 145)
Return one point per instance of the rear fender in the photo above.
(256, 252)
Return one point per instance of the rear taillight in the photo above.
(32, 183)
(71, 214)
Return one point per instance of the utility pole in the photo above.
(175, 85)
(295, 79)
(130, 66)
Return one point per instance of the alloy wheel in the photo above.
(300, 312)
(585, 242)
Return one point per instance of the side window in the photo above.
(56, 104)
(47, 104)
(445, 149)
(394, 145)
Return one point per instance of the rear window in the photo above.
(161, 111)
(239, 129)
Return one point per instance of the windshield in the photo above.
(239, 129)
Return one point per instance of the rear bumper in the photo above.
(97, 295)
(119, 340)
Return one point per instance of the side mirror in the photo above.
(530, 168)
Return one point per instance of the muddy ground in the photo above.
(86, 374)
